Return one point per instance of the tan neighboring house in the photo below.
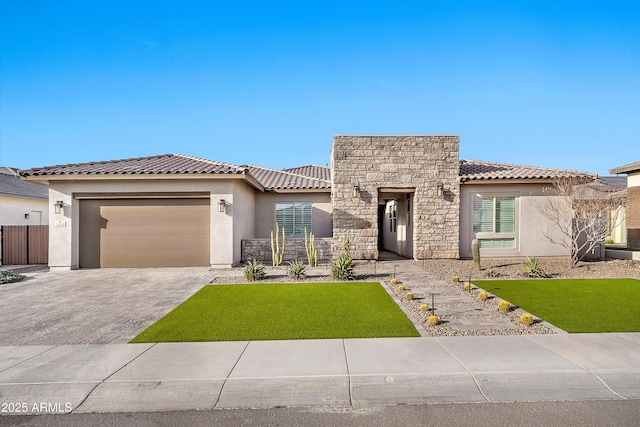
(21, 202)
(409, 194)
(632, 170)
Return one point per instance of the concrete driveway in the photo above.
(97, 306)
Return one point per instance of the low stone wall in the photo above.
(260, 249)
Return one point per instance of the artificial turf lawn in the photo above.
(282, 311)
(575, 305)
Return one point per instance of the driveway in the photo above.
(94, 306)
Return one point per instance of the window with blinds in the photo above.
(294, 217)
(494, 221)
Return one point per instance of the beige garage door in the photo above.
(144, 233)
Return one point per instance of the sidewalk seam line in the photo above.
(224, 382)
(32, 357)
(346, 361)
(109, 376)
(466, 369)
(583, 367)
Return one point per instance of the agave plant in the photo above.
(254, 270)
(533, 268)
(296, 269)
(342, 268)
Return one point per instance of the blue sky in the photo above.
(554, 84)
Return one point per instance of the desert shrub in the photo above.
(491, 272)
(533, 268)
(409, 296)
(526, 319)
(342, 268)
(504, 306)
(401, 288)
(483, 296)
(8, 277)
(433, 320)
(424, 307)
(254, 270)
(466, 286)
(296, 270)
(455, 279)
(394, 281)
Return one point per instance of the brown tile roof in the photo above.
(629, 167)
(161, 164)
(477, 170)
(312, 171)
(273, 179)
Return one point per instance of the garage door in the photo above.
(144, 232)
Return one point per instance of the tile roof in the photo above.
(161, 164)
(273, 179)
(477, 170)
(312, 171)
(629, 167)
(10, 183)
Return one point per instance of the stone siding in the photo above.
(417, 162)
(260, 249)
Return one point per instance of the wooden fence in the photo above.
(25, 244)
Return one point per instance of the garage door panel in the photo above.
(144, 233)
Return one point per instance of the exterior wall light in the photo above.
(222, 204)
(440, 190)
(26, 216)
(356, 190)
(58, 206)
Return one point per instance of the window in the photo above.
(393, 217)
(495, 217)
(294, 217)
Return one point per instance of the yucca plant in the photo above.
(296, 270)
(254, 270)
(342, 268)
(533, 268)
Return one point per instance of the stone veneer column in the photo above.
(375, 162)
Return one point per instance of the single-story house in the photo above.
(632, 170)
(409, 194)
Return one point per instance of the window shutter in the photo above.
(284, 217)
(505, 215)
(302, 219)
(482, 215)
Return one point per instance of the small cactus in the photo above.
(401, 288)
(455, 279)
(467, 286)
(504, 306)
(394, 281)
(526, 319)
(424, 307)
(433, 320)
(483, 296)
(409, 296)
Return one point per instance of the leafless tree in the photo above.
(583, 211)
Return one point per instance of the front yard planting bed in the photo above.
(282, 311)
(575, 305)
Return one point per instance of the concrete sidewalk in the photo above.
(337, 373)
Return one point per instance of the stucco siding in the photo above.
(531, 224)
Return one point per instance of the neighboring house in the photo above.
(409, 194)
(21, 202)
(632, 170)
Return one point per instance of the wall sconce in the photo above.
(58, 206)
(222, 204)
(26, 216)
(356, 190)
(440, 190)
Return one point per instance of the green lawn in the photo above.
(282, 311)
(575, 305)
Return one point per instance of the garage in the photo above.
(152, 231)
